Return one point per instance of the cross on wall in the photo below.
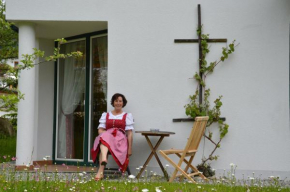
(200, 48)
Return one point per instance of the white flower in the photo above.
(47, 156)
(232, 164)
(251, 178)
(131, 177)
(145, 190)
(27, 165)
(45, 159)
(166, 165)
(80, 174)
(157, 189)
(25, 190)
(137, 168)
(199, 187)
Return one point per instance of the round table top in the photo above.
(155, 133)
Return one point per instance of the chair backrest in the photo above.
(196, 134)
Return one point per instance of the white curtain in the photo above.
(71, 93)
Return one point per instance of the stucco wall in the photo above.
(154, 73)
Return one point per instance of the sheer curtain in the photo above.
(71, 93)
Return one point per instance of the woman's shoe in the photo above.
(98, 178)
(104, 162)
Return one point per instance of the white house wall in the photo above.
(154, 73)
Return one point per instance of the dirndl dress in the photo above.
(115, 139)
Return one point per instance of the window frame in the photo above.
(85, 161)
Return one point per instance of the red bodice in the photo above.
(116, 123)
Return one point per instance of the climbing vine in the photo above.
(194, 108)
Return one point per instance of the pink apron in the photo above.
(115, 139)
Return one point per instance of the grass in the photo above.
(126, 186)
(10, 180)
(7, 148)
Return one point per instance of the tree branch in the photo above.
(209, 139)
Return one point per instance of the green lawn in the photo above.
(7, 148)
(127, 186)
(42, 181)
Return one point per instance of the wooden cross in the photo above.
(200, 48)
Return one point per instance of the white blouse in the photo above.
(129, 120)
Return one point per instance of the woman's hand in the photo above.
(129, 151)
(101, 130)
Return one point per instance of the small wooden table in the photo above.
(161, 134)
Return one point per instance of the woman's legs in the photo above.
(104, 152)
(102, 158)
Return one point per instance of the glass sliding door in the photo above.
(81, 97)
(71, 103)
(98, 89)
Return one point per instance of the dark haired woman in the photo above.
(115, 135)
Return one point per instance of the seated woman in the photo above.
(115, 135)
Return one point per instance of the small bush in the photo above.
(206, 170)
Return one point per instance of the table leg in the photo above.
(156, 156)
(153, 152)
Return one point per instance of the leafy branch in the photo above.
(194, 108)
(9, 82)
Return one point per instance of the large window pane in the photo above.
(71, 101)
(99, 60)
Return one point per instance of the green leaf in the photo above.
(219, 104)
(210, 135)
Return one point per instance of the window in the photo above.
(81, 97)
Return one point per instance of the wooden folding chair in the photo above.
(190, 150)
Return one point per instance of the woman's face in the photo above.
(118, 103)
